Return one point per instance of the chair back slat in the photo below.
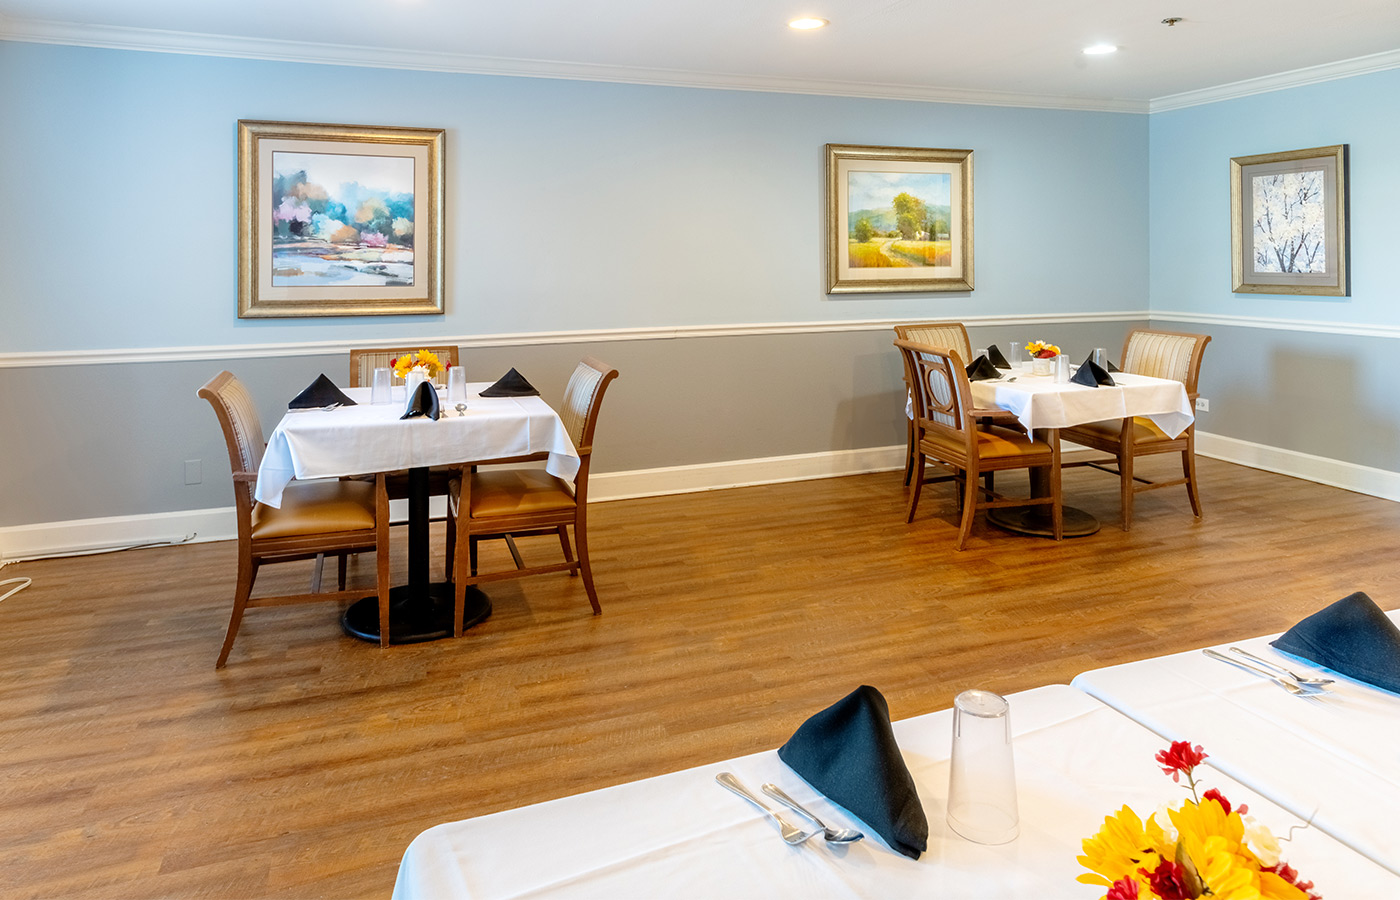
(583, 396)
(938, 334)
(1165, 354)
(238, 416)
(363, 362)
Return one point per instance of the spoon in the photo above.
(832, 835)
(1301, 679)
(790, 834)
(461, 409)
(1287, 684)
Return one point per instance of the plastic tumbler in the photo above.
(982, 777)
(1013, 355)
(980, 351)
(1062, 369)
(1101, 357)
(382, 387)
(456, 384)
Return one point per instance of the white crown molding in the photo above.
(1357, 329)
(159, 41)
(28, 359)
(1361, 65)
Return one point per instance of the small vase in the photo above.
(1042, 366)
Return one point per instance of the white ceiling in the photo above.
(990, 51)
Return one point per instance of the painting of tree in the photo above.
(1290, 222)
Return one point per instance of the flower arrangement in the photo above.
(1042, 350)
(423, 359)
(1207, 848)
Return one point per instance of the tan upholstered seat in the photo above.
(1161, 354)
(946, 432)
(315, 518)
(500, 502)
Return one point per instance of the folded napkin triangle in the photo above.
(423, 402)
(994, 354)
(1108, 364)
(982, 370)
(848, 752)
(511, 384)
(1352, 636)
(321, 392)
(1091, 374)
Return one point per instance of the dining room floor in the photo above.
(133, 769)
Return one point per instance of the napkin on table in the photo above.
(1091, 374)
(848, 752)
(994, 354)
(1352, 636)
(982, 370)
(321, 392)
(511, 384)
(422, 402)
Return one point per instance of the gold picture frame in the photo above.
(339, 220)
(1288, 223)
(898, 219)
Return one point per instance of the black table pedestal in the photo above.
(420, 610)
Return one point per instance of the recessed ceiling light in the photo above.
(1099, 49)
(808, 23)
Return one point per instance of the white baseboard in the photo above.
(196, 525)
(1333, 472)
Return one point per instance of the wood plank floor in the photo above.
(131, 768)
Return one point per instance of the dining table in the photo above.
(682, 835)
(1330, 757)
(367, 438)
(1043, 406)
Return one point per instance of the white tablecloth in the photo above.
(1039, 402)
(681, 835)
(1337, 755)
(367, 438)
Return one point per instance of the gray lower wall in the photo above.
(112, 440)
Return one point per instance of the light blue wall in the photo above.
(571, 205)
(1190, 195)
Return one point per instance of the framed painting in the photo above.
(898, 219)
(1288, 222)
(339, 220)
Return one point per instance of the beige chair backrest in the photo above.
(363, 362)
(1165, 354)
(583, 396)
(942, 396)
(238, 416)
(938, 334)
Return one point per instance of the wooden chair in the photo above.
(934, 334)
(946, 432)
(497, 502)
(364, 361)
(1161, 354)
(316, 517)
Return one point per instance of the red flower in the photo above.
(1180, 759)
(393, 362)
(1123, 889)
(1046, 354)
(1218, 797)
(1168, 881)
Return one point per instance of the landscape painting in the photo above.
(898, 219)
(339, 220)
(1288, 222)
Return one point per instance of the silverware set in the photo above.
(791, 833)
(1299, 685)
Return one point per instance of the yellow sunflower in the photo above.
(1122, 846)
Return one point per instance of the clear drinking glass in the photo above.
(1013, 355)
(456, 385)
(1101, 357)
(980, 351)
(382, 387)
(982, 776)
(1062, 368)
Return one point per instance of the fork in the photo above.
(1287, 684)
(1301, 679)
(791, 834)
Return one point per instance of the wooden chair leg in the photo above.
(451, 541)
(316, 574)
(514, 552)
(1188, 466)
(914, 491)
(247, 574)
(568, 551)
(581, 539)
(910, 451)
(969, 509)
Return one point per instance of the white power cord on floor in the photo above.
(22, 583)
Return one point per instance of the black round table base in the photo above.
(414, 620)
(1035, 521)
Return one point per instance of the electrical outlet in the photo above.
(1202, 404)
(193, 475)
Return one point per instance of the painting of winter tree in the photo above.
(1289, 222)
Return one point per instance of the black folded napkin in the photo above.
(847, 751)
(423, 402)
(982, 370)
(319, 393)
(994, 354)
(1091, 374)
(1352, 636)
(1108, 364)
(511, 384)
